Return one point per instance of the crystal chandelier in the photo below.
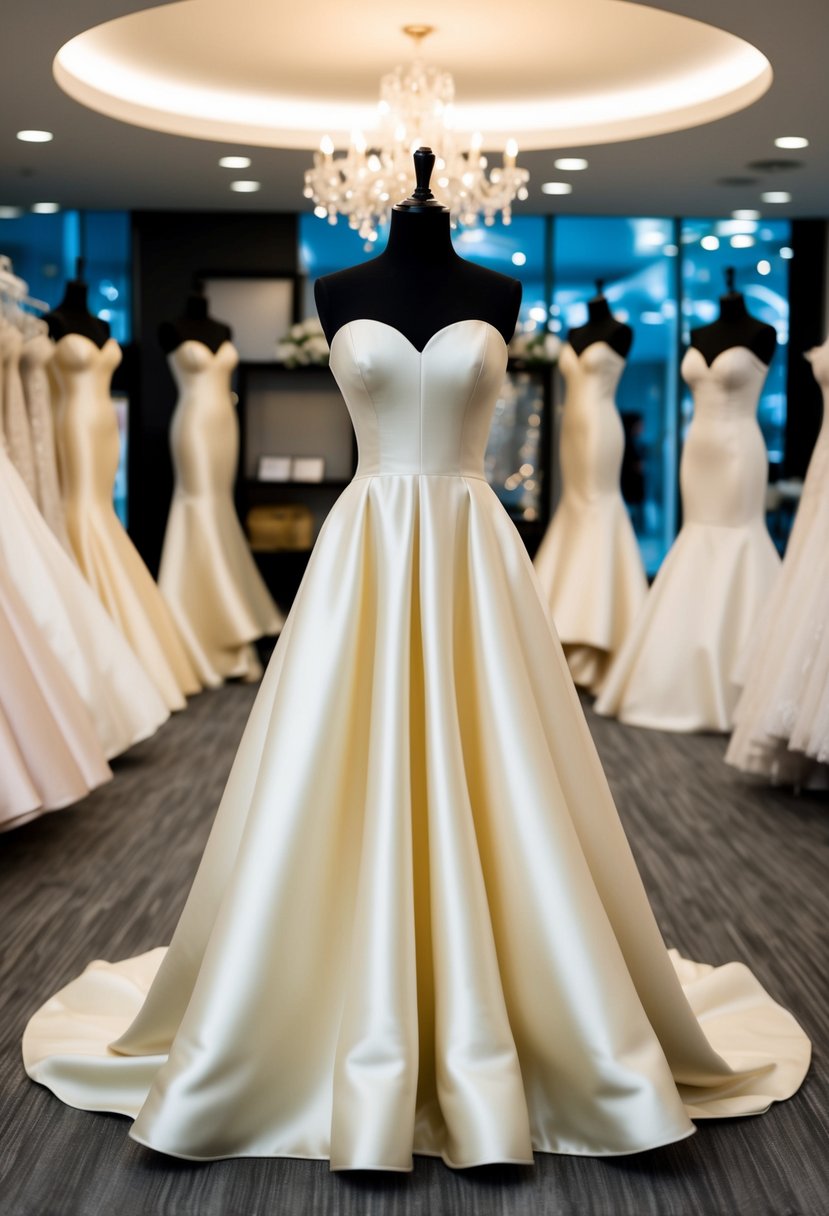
(416, 105)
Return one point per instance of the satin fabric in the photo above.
(417, 925)
(50, 755)
(782, 730)
(119, 696)
(677, 668)
(89, 446)
(15, 419)
(208, 576)
(588, 563)
(35, 356)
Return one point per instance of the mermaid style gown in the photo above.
(417, 925)
(89, 447)
(588, 563)
(208, 576)
(677, 669)
(782, 730)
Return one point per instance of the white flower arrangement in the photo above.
(304, 345)
(536, 346)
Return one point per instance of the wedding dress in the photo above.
(50, 755)
(676, 670)
(15, 419)
(782, 729)
(417, 925)
(89, 447)
(36, 354)
(588, 563)
(208, 576)
(119, 696)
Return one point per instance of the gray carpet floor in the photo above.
(733, 870)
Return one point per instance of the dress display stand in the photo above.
(677, 668)
(417, 925)
(84, 360)
(208, 576)
(782, 730)
(588, 563)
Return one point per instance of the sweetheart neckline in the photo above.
(86, 338)
(598, 342)
(739, 346)
(436, 334)
(198, 342)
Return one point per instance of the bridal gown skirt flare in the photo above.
(588, 563)
(782, 730)
(208, 576)
(417, 925)
(89, 446)
(677, 669)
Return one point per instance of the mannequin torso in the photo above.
(602, 326)
(72, 316)
(194, 325)
(735, 327)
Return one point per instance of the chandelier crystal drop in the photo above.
(415, 110)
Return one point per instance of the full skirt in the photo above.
(417, 925)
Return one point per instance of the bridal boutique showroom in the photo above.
(414, 586)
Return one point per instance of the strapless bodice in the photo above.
(420, 412)
(594, 374)
(818, 356)
(192, 363)
(731, 383)
(78, 358)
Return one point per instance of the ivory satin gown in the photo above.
(782, 730)
(89, 446)
(15, 418)
(417, 925)
(588, 563)
(678, 666)
(208, 576)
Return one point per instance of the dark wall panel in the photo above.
(807, 278)
(169, 249)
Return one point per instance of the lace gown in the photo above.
(677, 668)
(588, 563)
(417, 925)
(15, 419)
(89, 446)
(782, 729)
(37, 353)
(208, 576)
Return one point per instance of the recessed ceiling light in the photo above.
(45, 208)
(764, 266)
(776, 196)
(742, 241)
(791, 141)
(570, 164)
(10, 213)
(787, 252)
(35, 137)
(234, 162)
(710, 242)
(746, 213)
(246, 187)
(520, 259)
(556, 188)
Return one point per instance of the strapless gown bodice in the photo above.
(420, 412)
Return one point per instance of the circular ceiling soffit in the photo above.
(551, 75)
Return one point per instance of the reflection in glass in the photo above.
(513, 461)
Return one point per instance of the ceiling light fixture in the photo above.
(787, 253)
(234, 162)
(742, 241)
(764, 266)
(13, 213)
(710, 243)
(520, 259)
(791, 141)
(746, 213)
(776, 196)
(45, 208)
(570, 164)
(246, 187)
(556, 188)
(415, 110)
(35, 137)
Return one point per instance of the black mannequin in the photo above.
(194, 325)
(734, 327)
(72, 315)
(602, 326)
(418, 284)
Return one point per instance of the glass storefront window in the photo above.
(636, 260)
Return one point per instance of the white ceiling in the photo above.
(98, 162)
